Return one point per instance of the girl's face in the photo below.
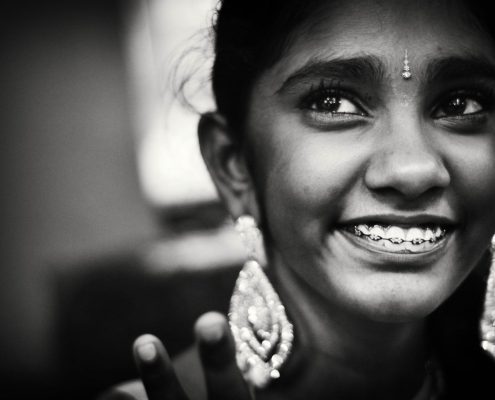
(378, 192)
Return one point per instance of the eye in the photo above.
(331, 102)
(332, 107)
(460, 105)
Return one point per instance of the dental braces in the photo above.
(415, 241)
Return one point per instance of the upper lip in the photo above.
(402, 219)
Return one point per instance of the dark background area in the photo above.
(87, 265)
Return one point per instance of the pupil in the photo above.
(456, 106)
(331, 104)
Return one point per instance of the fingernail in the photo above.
(147, 352)
(210, 328)
(212, 333)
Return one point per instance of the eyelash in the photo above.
(485, 97)
(333, 90)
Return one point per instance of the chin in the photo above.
(388, 286)
(401, 312)
(400, 303)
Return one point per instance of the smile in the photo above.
(399, 239)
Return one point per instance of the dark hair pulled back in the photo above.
(250, 36)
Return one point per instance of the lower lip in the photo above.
(400, 255)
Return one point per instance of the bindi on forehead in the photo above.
(363, 47)
(402, 76)
(406, 69)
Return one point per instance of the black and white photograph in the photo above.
(247, 200)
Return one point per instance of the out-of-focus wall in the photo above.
(68, 179)
(170, 43)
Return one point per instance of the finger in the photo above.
(217, 353)
(156, 370)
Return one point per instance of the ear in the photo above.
(227, 166)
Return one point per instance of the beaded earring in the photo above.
(263, 335)
(487, 323)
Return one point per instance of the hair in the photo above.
(252, 35)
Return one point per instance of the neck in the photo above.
(339, 354)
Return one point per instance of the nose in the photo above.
(406, 163)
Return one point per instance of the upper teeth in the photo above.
(397, 234)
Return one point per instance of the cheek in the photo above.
(472, 169)
(473, 178)
(306, 177)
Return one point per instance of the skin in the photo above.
(391, 147)
(399, 159)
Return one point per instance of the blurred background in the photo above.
(110, 225)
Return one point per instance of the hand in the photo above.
(217, 354)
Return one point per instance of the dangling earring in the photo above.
(487, 323)
(263, 335)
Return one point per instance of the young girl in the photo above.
(360, 137)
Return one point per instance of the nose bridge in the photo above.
(408, 150)
(406, 159)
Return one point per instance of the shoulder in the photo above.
(188, 369)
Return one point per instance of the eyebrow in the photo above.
(371, 69)
(365, 68)
(458, 67)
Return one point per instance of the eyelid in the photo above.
(334, 89)
(484, 95)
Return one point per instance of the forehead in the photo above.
(384, 29)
